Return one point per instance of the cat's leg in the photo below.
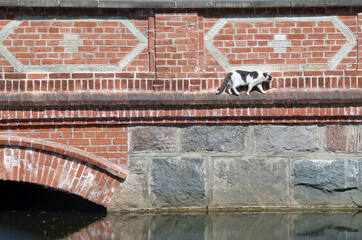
(250, 86)
(260, 87)
(228, 89)
(235, 91)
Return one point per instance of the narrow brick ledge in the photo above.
(65, 150)
(148, 98)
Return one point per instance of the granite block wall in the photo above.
(233, 166)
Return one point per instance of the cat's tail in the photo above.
(224, 84)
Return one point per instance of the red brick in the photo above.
(15, 76)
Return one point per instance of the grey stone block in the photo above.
(138, 165)
(308, 196)
(131, 195)
(250, 182)
(327, 183)
(153, 138)
(12, 3)
(156, 4)
(286, 138)
(118, 4)
(339, 175)
(213, 138)
(78, 3)
(178, 182)
(38, 3)
(194, 4)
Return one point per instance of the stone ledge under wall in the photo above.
(207, 98)
(232, 166)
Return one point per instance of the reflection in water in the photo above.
(44, 225)
(247, 226)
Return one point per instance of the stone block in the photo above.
(338, 175)
(131, 195)
(344, 138)
(250, 182)
(12, 3)
(308, 196)
(213, 138)
(38, 3)
(286, 138)
(178, 182)
(327, 183)
(153, 138)
(78, 3)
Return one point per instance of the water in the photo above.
(44, 225)
(248, 226)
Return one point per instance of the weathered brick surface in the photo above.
(344, 138)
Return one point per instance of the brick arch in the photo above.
(59, 166)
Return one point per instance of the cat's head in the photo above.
(268, 77)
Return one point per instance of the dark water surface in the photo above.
(44, 225)
(248, 226)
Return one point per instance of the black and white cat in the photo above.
(239, 78)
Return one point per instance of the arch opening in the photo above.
(23, 196)
(33, 211)
(60, 167)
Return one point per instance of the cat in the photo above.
(239, 78)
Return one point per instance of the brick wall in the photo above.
(177, 50)
(108, 141)
(82, 78)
